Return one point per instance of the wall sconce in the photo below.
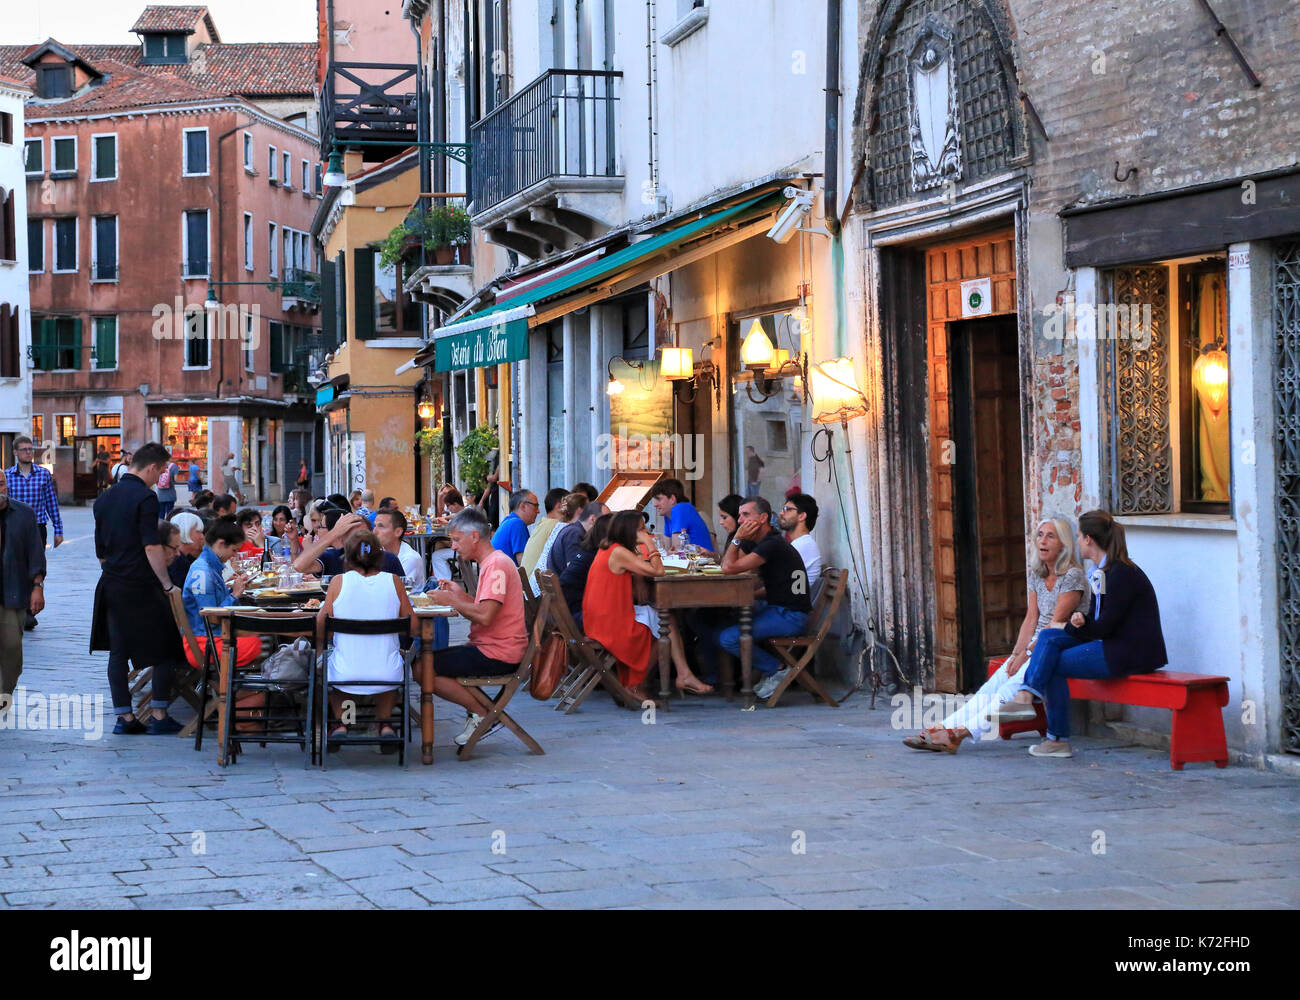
(1210, 378)
(756, 351)
(836, 394)
(615, 387)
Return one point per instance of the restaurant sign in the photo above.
(498, 344)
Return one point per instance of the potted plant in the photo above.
(472, 453)
(446, 227)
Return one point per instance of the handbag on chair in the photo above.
(549, 667)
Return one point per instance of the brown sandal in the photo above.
(924, 741)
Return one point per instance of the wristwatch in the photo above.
(41, 585)
(736, 542)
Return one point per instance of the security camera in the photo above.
(801, 203)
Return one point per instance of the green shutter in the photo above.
(277, 349)
(363, 281)
(76, 343)
(328, 306)
(342, 296)
(106, 342)
(43, 350)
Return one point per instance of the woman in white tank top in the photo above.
(365, 593)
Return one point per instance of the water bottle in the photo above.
(266, 525)
(428, 523)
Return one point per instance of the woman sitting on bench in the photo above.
(1056, 588)
(1118, 634)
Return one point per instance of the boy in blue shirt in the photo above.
(205, 588)
(670, 502)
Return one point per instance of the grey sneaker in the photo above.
(767, 687)
(471, 724)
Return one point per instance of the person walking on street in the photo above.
(196, 477)
(166, 490)
(753, 471)
(33, 485)
(304, 476)
(230, 474)
(22, 576)
(132, 610)
(101, 472)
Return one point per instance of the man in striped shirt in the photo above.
(33, 485)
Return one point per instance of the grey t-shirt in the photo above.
(1071, 579)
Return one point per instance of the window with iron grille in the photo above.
(1286, 439)
(975, 80)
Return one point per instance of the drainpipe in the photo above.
(438, 91)
(652, 96)
(220, 258)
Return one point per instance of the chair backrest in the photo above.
(558, 607)
(530, 602)
(833, 584)
(366, 626)
(183, 624)
(287, 624)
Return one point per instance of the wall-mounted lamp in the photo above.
(1210, 378)
(836, 394)
(615, 387)
(425, 410)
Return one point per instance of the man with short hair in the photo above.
(123, 465)
(22, 579)
(679, 514)
(223, 505)
(543, 530)
(325, 557)
(132, 591)
(497, 634)
(390, 526)
(33, 485)
(567, 541)
(797, 518)
(512, 537)
(782, 607)
(367, 502)
(586, 488)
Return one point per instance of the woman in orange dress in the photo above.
(608, 612)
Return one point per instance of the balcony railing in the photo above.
(368, 101)
(560, 125)
(300, 284)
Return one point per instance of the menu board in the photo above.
(629, 490)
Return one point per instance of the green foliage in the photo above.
(440, 226)
(427, 439)
(472, 453)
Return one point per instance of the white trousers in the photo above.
(994, 692)
(442, 560)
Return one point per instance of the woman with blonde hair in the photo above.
(1056, 587)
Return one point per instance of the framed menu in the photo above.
(630, 490)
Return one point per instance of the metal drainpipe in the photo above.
(220, 258)
(652, 86)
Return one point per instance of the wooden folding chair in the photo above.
(596, 664)
(493, 710)
(797, 651)
(531, 603)
(186, 679)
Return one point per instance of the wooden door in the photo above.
(990, 256)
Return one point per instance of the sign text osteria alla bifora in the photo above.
(498, 344)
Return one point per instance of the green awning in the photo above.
(325, 394)
(468, 333)
(497, 344)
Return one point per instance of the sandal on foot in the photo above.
(927, 741)
(387, 748)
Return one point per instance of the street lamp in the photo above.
(334, 171)
(210, 303)
(334, 175)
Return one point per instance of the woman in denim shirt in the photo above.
(205, 588)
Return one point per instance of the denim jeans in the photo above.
(118, 669)
(165, 509)
(770, 622)
(1058, 656)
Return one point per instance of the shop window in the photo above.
(38, 428)
(56, 343)
(1166, 419)
(65, 245)
(65, 428)
(105, 344)
(768, 420)
(103, 158)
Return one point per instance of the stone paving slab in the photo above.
(707, 807)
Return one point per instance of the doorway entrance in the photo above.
(988, 490)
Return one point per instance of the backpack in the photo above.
(165, 480)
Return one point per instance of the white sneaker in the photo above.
(471, 724)
(767, 687)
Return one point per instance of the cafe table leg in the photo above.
(665, 691)
(426, 690)
(746, 656)
(223, 680)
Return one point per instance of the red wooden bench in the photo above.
(1196, 701)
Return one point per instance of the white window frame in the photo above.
(117, 342)
(249, 165)
(76, 246)
(207, 153)
(286, 169)
(54, 170)
(306, 177)
(273, 268)
(39, 267)
(54, 417)
(271, 164)
(95, 159)
(40, 144)
(185, 244)
(94, 248)
(286, 249)
(250, 238)
(206, 322)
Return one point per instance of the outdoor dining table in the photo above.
(426, 618)
(706, 590)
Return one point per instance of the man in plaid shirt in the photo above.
(33, 485)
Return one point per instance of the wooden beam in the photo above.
(630, 279)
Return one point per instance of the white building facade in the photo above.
(15, 300)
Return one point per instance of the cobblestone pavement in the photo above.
(802, 806)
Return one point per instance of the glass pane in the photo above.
(769, 432)
(1210, 445)
(65, 244)
(196, 152)
(33, 164)
(105, 157)
(65, 155)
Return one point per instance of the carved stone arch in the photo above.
(983, 48)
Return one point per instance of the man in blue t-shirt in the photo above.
(512, 537)
(680, 514)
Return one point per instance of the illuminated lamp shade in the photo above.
(334, 175)
(756, 351)
(425, 410)
(615, 387)
(780, 358)
(835, 392)
(1210, 379)
(677, 364)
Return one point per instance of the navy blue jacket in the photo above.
(24, 554)
(1129, 623)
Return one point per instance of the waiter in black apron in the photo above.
(132, 611)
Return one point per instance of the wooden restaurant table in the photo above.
(706, 590)
(426, 618)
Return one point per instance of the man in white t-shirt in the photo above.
(797, 518)
(390, 526)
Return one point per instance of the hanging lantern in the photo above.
(756, 351)
(1210, 378)
(425, 410)
(677, 364)
(835, 392)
